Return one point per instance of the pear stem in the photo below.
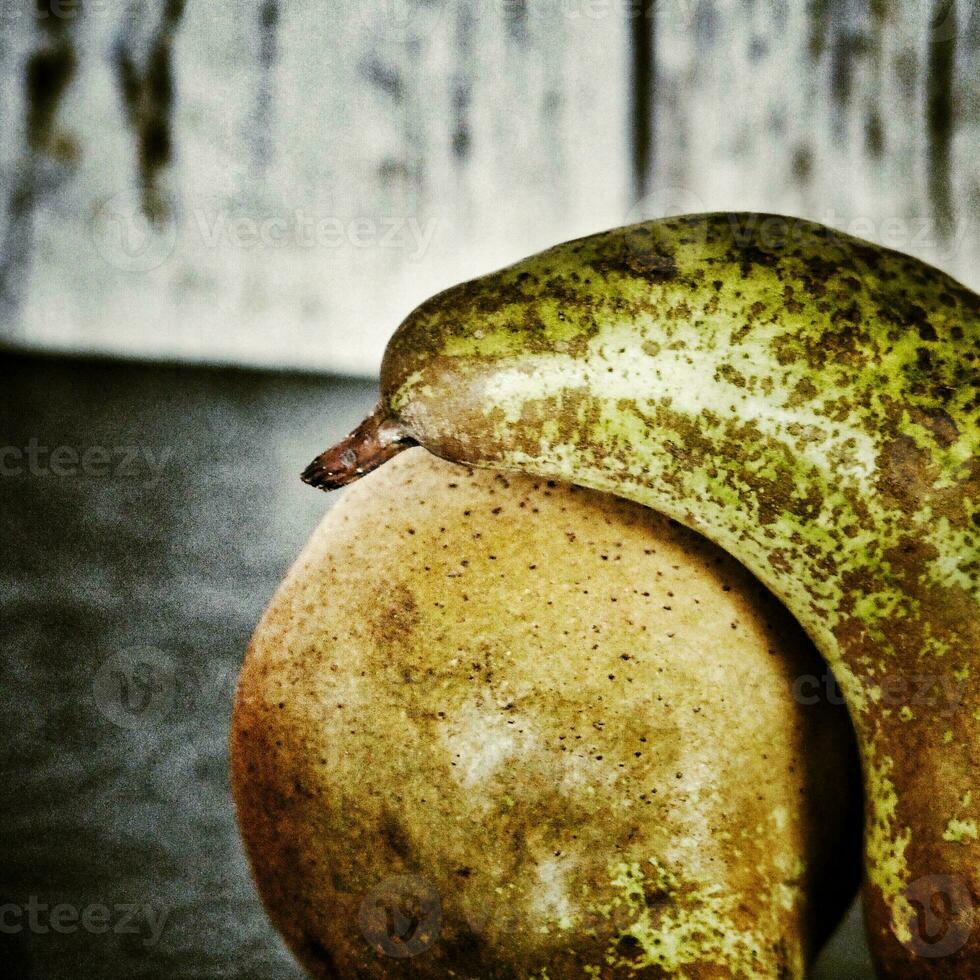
(376, 440)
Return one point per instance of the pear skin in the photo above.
(497, 727)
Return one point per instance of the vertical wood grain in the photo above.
(279, 182)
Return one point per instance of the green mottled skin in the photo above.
(809, 402)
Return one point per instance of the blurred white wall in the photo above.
(280, 181)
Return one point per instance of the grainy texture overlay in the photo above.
(127, 602)
(809, 402)
(281, 181)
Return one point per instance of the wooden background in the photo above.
(279, 181)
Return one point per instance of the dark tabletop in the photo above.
(147, 515)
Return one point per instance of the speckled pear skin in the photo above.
(809, 402)
(563, 724)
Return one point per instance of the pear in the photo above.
(809, 402)
(500, 727)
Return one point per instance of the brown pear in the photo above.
(496, 727)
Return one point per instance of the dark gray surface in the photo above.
(127, 601)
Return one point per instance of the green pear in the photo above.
(497, 727)
(809, 402)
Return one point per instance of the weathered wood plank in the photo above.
(312, 173)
